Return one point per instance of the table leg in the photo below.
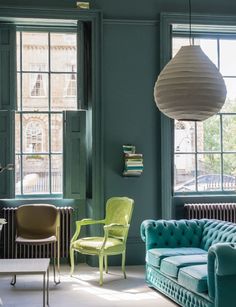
(48, 286)
(44, 290)
(13, 281)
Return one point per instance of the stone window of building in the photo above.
(34, 135)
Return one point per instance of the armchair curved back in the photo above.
(37, 221)
(119, 211)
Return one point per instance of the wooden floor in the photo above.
(83, 290)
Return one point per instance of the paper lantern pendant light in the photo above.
(190, 87)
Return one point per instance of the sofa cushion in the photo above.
(194, 278)
(171, 265)
(155, 255)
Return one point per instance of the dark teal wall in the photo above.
(129, 69)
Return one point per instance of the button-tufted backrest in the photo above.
(215, 231)
(172, 233)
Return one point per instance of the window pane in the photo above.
(184, 136)
(63, 51)
(35, 174)
(56, 132)
(230, 103)
(227, 55)
(35, 92)
(184, 173)
(35, 51)
(229, 132)
(17, 133)
(209, 47)
(18, 175)
(56, 175)
(35, 133)
(178, 43)
(208, 134)
(209, 172)
(229, 167)
(63, 92)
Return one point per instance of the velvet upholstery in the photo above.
(116, 226)
(192, 280)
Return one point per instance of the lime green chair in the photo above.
(116, 226)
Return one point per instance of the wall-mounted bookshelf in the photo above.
(133, 162)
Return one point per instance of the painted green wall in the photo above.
(129, 68)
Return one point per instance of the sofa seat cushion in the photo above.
(155, 255)
(194, 278)
(171, 265)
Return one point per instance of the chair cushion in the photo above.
(22, 240)
(194, 278)
(93, 244)
(171, 265)
(155, 255)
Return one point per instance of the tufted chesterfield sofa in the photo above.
(193, 262)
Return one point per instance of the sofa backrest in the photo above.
(172, 233)
(215, 231)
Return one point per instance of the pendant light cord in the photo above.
(190, 23)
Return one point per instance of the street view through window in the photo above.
(205, 152)
(46, 85)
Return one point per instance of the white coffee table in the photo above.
(38, 266)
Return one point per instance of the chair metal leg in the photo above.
(101, 269)
(54, 266)
(72, 261)
(106, 266)
(13, 281)
(123, 264)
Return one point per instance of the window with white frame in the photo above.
(205, 152)
(42, 59)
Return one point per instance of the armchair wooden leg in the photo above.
(72, 261)
(106, 266)
(123, 264)
(101, 269)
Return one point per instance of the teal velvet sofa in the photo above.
(193, 262)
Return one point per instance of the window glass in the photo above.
(43, 93)
(205, 152)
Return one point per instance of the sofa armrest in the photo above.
(222, 272)
(171, 233)
(224, 258)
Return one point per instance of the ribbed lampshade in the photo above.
(190, 87)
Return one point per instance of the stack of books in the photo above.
(133, 162)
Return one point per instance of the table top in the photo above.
(24, 266)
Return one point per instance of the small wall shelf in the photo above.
(133, 162)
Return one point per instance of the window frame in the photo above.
(172, 205)
(49, 112)
(221, 115)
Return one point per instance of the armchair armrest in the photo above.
(115, 226)
(84, 222)
(89, 222)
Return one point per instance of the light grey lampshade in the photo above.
(190, 87)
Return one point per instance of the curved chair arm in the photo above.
(113, 226)
(84, 222)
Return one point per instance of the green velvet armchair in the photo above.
(116, 226)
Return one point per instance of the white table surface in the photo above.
(24, 266)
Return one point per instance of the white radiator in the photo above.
(219, 211)
(31, 251)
